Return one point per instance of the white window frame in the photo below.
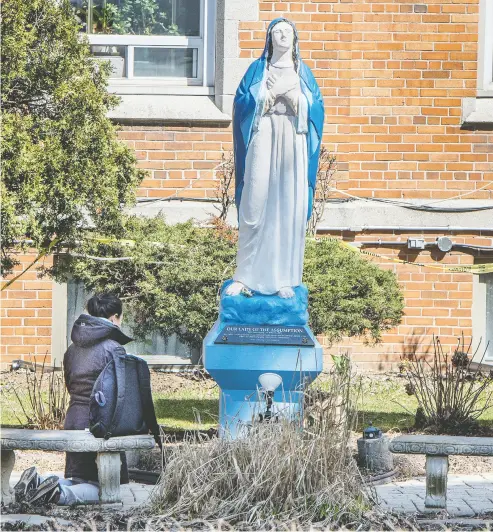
(211, 102)
(485, 49)
(481, 316)
(201, 85)
(477, 112)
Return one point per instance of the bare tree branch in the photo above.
(225, 193)
(327, 167)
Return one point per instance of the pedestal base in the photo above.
(261, 309)
(374, 454)
(237, 368)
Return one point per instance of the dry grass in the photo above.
(41, 403)
(278, 474)
(451, 396)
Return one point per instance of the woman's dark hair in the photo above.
(104, 306)
(270, 50)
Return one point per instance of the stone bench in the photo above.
(437, 450)
(75, 441)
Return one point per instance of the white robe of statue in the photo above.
(274, 202)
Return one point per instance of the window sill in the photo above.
(156, 109)
(486, 93)
(156, 86)
(477, 112)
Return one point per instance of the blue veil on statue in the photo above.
(248, 106)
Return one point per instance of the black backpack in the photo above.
(121, 401)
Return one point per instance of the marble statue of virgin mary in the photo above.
(278, 119)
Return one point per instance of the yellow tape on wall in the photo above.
(476, 269)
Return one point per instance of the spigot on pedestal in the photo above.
(269, 382)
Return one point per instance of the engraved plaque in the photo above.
(264, 335)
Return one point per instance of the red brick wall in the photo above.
(26, 315)
(438, 302)
(179, 160)
(393, 74)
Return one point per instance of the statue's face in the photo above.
(282, 36)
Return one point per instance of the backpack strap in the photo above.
(120, 366)
(147, 404)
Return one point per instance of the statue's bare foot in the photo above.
(286, 292)
(235, 288)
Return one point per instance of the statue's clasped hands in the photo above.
(281, 85)
(287, 86)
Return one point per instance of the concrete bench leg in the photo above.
(8, 461)
(436, 481)
(109, 477)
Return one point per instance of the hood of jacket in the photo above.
(89, 330)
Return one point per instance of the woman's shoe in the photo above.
(29, 480)
(48, 492)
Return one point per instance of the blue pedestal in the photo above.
(236, 368)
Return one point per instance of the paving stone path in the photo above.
(467, 495)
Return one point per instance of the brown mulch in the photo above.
(103, 519)
(413, 465)
(44, 461)
(161, 382)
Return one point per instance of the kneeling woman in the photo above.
(95, 337)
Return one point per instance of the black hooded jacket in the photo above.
(94, 341)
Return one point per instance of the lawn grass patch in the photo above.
(386, 405)
(188, 409)
(384, 402)
(195, 406)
